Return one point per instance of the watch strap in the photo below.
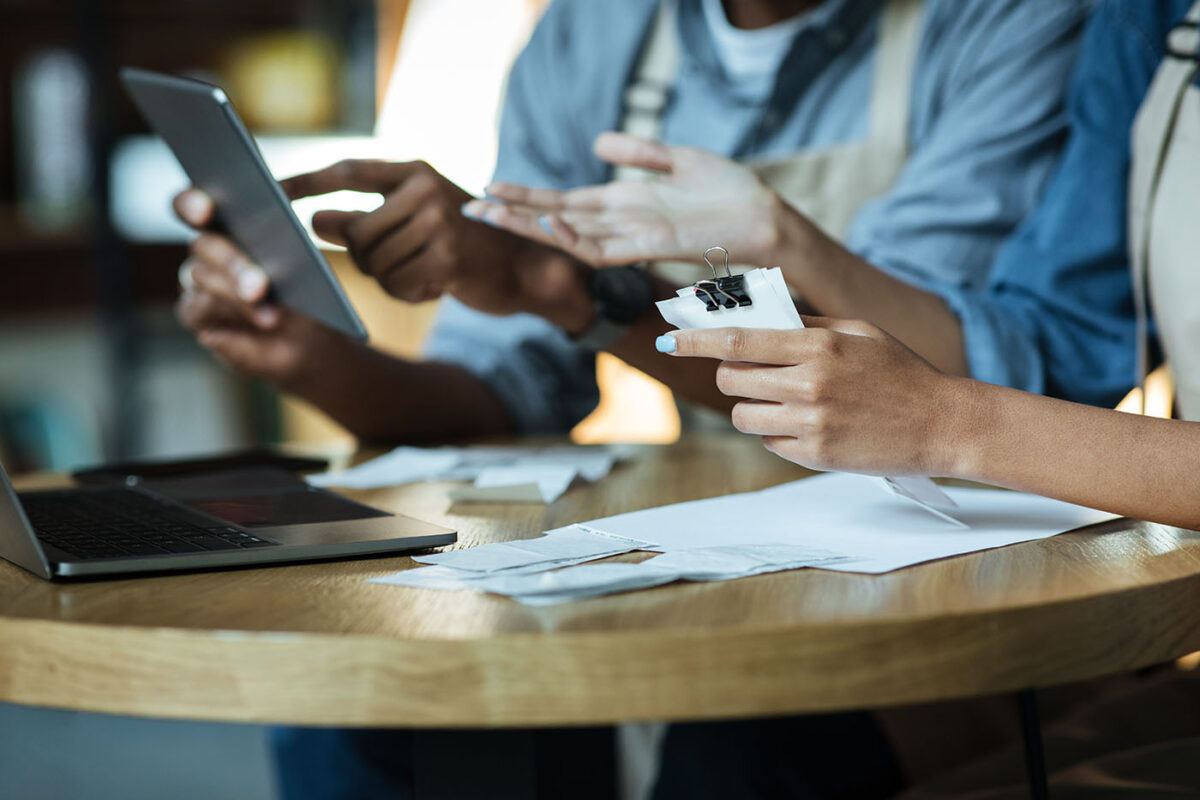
(601, 334)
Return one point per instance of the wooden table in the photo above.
(316, 644)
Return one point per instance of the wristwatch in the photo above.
(620, 295)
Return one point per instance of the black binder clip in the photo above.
(722, 292)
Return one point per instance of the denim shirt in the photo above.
(987, 123)
(1057, 316)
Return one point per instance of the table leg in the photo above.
(1031, 736)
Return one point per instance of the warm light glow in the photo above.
(1160, 395)
(443, 100)
(633, 408)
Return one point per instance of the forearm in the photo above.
(837, 283)
(1136, 466)
(379, 397)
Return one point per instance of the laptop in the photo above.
(239, 517)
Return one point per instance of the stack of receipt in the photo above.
(532, 584)
(498, 474)
(835, 521)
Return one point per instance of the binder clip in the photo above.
(728, 291)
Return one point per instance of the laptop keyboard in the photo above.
(120, 523)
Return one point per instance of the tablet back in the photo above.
(219, 155)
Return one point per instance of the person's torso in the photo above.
(679, 77)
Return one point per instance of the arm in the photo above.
(846, 396)
(978, 164)
(705, 199)
(1135, 466)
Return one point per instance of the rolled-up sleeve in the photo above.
(1057, 316)
(544, 380)
(989, 123)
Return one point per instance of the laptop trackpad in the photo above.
(299, 506)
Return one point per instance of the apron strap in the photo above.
(646, 97)
(898, 41)
(1154, 127)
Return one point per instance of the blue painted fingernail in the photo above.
(665, 344)
(544, 221)
(467, 212)
(481, 217)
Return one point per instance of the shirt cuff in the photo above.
(999, 349)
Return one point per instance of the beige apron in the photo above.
(829, 185)
(1164, 214)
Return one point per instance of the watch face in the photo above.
(622, 294)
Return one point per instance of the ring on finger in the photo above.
(187, 283)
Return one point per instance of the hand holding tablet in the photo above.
(200, 126)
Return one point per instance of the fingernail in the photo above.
(544, 221)
(251, 283)
(665, 344)
(195, 205)
(479, 215)
(266, 316)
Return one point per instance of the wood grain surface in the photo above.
(316, 644)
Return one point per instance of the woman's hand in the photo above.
(837, 395)
(700, 199)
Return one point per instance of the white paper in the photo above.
(441, 577)
(546, 550)
(402, 465)
(409, 464)
(848, 515)
(517, 484)
(773, 307)
(586, 580)
(534, 585)
(702, 564)
(925, 493)
(736, 561)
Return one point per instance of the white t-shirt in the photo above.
(751, 57)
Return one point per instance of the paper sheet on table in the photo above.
(772, 307)
(402, 465)
(702, 564)
(535, 586)
(567, 545)
(517, 484)
(409, 464)
(848, 515)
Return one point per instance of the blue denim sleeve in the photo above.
(544, 380)
(986, 135)
(1057, 315)
(546, 383)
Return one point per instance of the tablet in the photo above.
(200, 126)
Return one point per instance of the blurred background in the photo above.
(93, 365)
